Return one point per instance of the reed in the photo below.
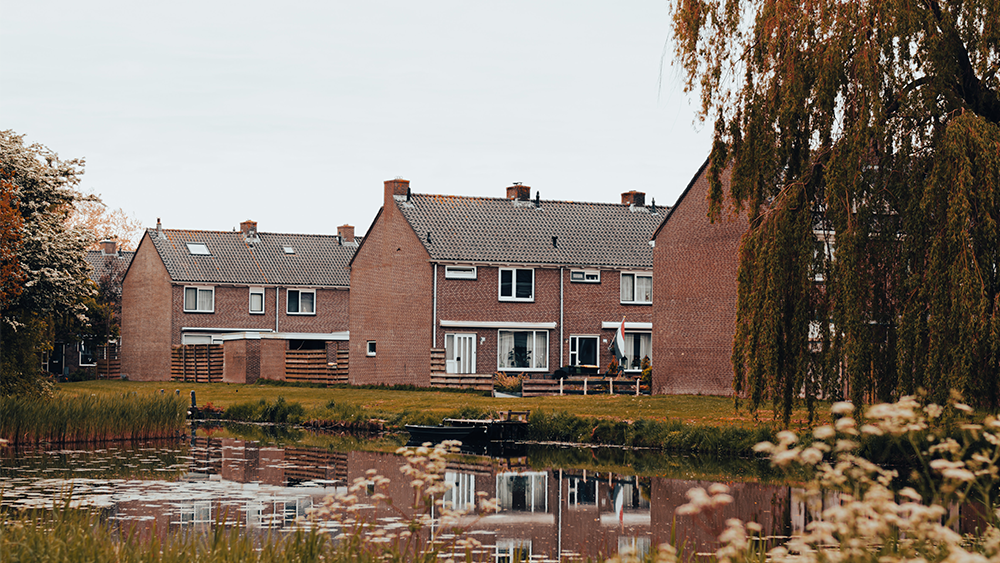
(63, 420)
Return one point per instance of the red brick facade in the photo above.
(146, 317)
(391, 301)
(694, 296)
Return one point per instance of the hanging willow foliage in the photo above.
(864, 143)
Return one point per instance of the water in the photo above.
(553, 502)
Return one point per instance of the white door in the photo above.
(460, 353)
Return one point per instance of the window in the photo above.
(637, 288)
(583, 351)
(522, 492)
(198, 249)
(512, 551)
(86, 353)
(523, 350)
(257, 300)
(371, 348)
(462, 494)
(517, 284)
(460, 272)
(288, 249)
(638, 345)
(199, 299)
(581, 492)
(585, 276)
(301, 302)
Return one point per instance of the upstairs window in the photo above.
(301, 302)
(637, 288)
(199, 299)
(585, 276)
(256, 300)
(517, 284)
(460, 272)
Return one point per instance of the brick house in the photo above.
(485, 285)
(695, 265)
(260, 294)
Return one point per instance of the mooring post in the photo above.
(193, 404)
(584, 386)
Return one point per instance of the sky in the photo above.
(292, 114)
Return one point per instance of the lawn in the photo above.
(690, 409)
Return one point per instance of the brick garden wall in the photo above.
(694, 296)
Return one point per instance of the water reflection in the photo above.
(545, 512)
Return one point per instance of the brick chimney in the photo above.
(519, 192)
(346, 233)
(109, 248)
(635, 198)
(396, 187)
(248, 228)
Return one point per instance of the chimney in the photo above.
(396, 187)
(159, 228)
(519, 192)
(635, 198)
(346, 233)
(109, 248)
(248, 228)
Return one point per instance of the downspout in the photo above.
(561, 336)
(277, 290)
(434, 310)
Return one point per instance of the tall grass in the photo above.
(280, 411)
(63, 420)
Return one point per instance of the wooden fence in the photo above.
(440, 377)
(312, 366)
(581, 386)
(201, 363)
(109, 364)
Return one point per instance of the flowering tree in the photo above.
(863, 140)
(105, 223)
(52, 281)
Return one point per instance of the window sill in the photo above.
(524, 370)
(517, 299)
(187, 311)
(636, 302)
(300, 314)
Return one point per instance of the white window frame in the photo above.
(635, 276)
(198, 289)
(263, 307)
(635, 334)
(299, 292)
(502, 364)
(370, 348)
(513, 285)
(574, 348)
(93, 354)
(585, 276)
(460, 272)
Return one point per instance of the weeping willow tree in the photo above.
(863, 140)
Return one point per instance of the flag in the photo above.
(618, 344)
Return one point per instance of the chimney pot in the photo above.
(634, 198)
(519, 192)
(346, 233)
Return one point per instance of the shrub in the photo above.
(506, 383)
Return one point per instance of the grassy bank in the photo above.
(91, 418)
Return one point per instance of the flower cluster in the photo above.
(878, 516)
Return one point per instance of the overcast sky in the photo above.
(293, 114)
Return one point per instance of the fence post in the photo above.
(560, 386)
(611, 386)
(584, 386)
(637, 387)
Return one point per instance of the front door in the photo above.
(460, 353)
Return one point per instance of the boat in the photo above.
(510, 428)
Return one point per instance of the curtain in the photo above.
(307, 302)
(627, 282)
(644, 289)
(505, 348)
(205, 300)
(541, 350)
(190, 299)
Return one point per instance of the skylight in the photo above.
(289, 249)
(198, 249)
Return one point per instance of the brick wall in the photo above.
(585, 307)
(391, 287)
(232, 310)
(234, 363)
(694, 296)
(272, 359)
(145, 324)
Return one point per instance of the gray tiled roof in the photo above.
(319, 260)
(102, 264)
(478, 229)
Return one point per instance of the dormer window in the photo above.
(288, 249)
(198, 249)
